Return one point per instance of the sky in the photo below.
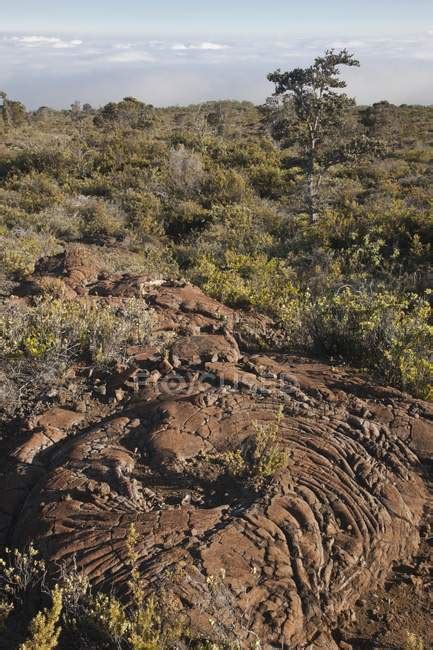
(170, 52)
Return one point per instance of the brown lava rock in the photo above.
(297, 554)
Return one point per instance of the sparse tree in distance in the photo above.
(12, 113)
(130, 112)
(309, 109)
(382, 119)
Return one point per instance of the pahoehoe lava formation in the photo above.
(295, 556)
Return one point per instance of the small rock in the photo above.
(81, 407)
(154, 377)
(165, 366)
(119, 394)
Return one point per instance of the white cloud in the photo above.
(131, 57)
(67, 44)
(341, 45)
(199, 46)
(45, 41)
(36, 40)
(424, 55)
(68, 68)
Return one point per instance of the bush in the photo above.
(44, 628)
(78, 613)
(225, 186)
(38, 344)
(247, 229)
(19, 252)
(266, 284)
(183, 217)
(72, 330)
(130, 112)
(151, 259)
(145, 624)
(62, 221)
(185, 171)
(261, 457)
(21, 572)
(413, 642)
(144, 212)
(36, 191)
(382, 332)
(268, 180)
(101, 219)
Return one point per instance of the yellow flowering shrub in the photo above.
(67, 329)
(261, 456)
(77, 611)
(388, 334)
(6, 607)
(260, 282)
(20, 572)
(413, 642)
(19, 252)
(44, 628)
(144, 624)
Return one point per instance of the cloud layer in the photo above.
(56, 69)
(45, 42)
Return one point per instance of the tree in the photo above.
(383, 120)
(309, 109)
(130, 112)
(76, 107)
(217, 118)
(13, 113)
(4, 107)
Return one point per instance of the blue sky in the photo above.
(220, 16)
(174, 51)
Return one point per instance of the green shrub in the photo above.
(266, 284)
(101, 219)
(19, 252)
(130, 112)
(413, 642)
(11, 217)
(268, 180)
(246, 229)
(73, 330)
(62, 221)
(261, 457)
(44, 628)
(38, 343)
(144, 211)
(225, 185)
(145, 624)
(182, 217)
(382, 332)
(36, 191)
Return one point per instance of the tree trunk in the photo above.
(6, 112)
(311, 189)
